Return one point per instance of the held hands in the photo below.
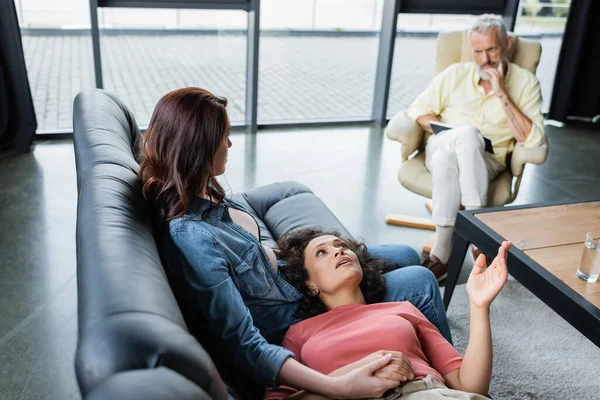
(399, 369)
(362, 382)
(484, 284)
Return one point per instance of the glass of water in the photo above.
(589, 267)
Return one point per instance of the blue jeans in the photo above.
(411, 282)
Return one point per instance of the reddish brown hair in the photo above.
(178, 148)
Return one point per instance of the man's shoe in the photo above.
(439, 269)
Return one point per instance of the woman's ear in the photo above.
(312, 289)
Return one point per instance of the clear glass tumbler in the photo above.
(589, 267)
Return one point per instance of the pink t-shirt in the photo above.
(353, 331)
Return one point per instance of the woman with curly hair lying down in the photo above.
(347, 324)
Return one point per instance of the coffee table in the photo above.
(547, 246)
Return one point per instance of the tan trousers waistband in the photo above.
(429, 388)
(429, 382)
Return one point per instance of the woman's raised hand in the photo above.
(484, 284)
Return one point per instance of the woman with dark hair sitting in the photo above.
(347, 324)
(214, 247)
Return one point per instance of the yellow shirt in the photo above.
(458, 99)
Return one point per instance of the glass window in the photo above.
(57, 46)
(318, 59)
(414, 54)
(145, 54)
(149, 52)
(317, 62)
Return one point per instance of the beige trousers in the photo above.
(461, 171)
(428, 388)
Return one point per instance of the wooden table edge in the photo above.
(535, 278)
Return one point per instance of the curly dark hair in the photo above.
(291, 248)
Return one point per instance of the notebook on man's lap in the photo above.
(438, 127)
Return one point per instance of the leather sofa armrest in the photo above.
(406, 131)
(285, 206)
(523, 155)
(262, 198)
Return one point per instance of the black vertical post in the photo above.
(96, 43)
(387, 40)
(509, 15)
(459, 249)
(252, 65)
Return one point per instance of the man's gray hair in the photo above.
(485, 22)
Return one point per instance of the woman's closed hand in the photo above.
(484, 284)
(399, 368)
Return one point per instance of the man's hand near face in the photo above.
(497, 78)
(519, 122)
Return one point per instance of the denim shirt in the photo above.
(244, 299)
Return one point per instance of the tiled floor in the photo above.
(353, 169)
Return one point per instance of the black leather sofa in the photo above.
(139, 336)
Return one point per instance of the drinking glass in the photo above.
(589, 267)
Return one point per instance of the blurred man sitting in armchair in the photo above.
(489, 98)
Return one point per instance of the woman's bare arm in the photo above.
(399, 369)
(484, 284)
(475, 373)
(358, 383)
